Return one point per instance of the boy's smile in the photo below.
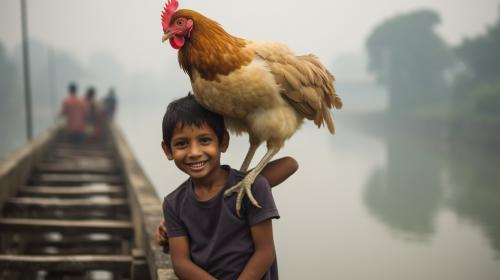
(196, 151)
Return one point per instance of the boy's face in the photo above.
(196, 150)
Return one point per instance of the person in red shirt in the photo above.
(75, 111)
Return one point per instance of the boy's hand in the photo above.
(161, 236)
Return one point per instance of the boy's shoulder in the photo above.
(179, 192)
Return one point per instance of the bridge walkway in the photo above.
(72, 218)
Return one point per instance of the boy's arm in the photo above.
(264, 255)
(279, 170)
(183, 266)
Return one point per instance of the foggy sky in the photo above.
(131, 29)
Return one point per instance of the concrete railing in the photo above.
(146, 209)
(16, 167)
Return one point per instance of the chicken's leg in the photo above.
(245, 185)
(254, 144)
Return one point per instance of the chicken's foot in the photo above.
(245, 185)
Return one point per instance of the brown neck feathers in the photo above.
(211, 50)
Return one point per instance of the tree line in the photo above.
(425, 76)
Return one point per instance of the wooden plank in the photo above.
(53, 249)
(89, 146)
(67, 214)
(82, 151)
(89, 184)
(69, 179)
(84, 156)
(72, 242)
(78, 166)
(67, 226)
(66, 262)
(62, 203)
(41, 191)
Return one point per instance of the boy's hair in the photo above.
(186, 111)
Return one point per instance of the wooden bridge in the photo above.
(78, 212)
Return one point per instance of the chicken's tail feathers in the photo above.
(327, 118)
(330, 99)
(335, 100)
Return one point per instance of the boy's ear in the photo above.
(167, 151)
(225, 142)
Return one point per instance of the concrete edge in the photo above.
(146, 209)
(16, 167)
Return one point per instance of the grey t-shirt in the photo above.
(220, 242)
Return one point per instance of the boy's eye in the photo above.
(180, 144)
(205, 140)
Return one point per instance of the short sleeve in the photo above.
(262, 192)
(175, 227)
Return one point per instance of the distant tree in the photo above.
(410, 59)
(478, 87)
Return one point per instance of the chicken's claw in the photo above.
(241, 188)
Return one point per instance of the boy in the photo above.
(207, 239)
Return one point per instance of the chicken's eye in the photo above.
(180, 22)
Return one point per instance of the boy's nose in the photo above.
(194, 151)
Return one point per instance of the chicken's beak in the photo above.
(167, 36)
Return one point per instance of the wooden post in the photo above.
(26, 71)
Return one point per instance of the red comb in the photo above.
(167, 13)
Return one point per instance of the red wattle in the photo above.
(177, 42)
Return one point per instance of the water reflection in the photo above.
(424, 176)
(474, 185)
(406, 193)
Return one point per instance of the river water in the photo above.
(369, 205)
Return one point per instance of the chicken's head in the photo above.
(176, 29)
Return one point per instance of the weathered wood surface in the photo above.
(16, 167)
(79, 226)
(77, 153)
(74, 193)
(79, 179)
(82, 191)
(100, 165)
(115, 204)
(73, 242)
(66, 263)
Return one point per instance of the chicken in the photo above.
(262, 89)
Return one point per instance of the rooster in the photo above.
(262, 89)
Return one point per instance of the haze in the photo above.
(407, 188)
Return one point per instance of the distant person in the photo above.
(74, 110)
(109, 104)
(93, 127)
